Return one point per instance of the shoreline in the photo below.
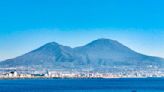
(79, 78)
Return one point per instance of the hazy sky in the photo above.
(27, 24)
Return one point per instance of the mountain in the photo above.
(48, 55)
(101, 53)
(110, 52)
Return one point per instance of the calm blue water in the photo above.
(82, 85)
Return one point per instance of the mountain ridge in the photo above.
(101, 52)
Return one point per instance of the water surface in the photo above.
(82, 85)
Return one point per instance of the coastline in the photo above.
(46, 78)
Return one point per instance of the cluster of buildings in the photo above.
(140, 74)
(56, 74)
(14, 74)
(75, 74)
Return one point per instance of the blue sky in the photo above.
(28, 24)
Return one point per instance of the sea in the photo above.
(83, 85)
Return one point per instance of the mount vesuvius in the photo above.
(100, 53)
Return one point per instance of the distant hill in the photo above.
(103, 53)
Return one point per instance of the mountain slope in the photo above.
(110, 52)
(45, 56)
(98, 53)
